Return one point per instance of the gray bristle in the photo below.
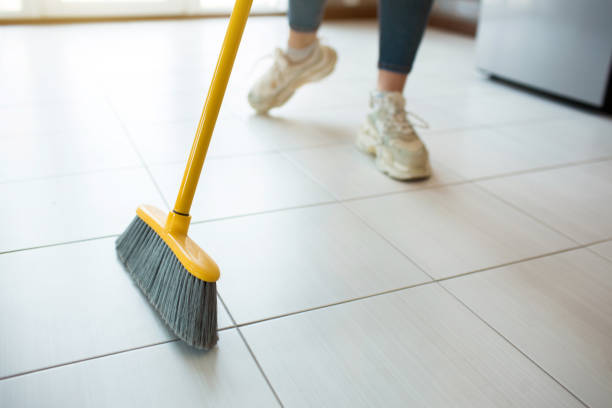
(187, 304)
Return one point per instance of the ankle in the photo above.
(298, 39)
(389, 81)
(297, 55)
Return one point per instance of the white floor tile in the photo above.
(603, 249)
(475, 153)
(161, 376)
(500, 108)
(336, 92)
(505, 149)
(43, 67)
(457, 229)
(57, 84)
(243, 185)
(155, 87)
(581, 137)
(291, 130)
(436, 118)
(575, 200)
(55, 117)
(64, 152)
(167, 106)
(417, 348)
(170, 142)
(300, 259)
(71, 302)
(557, 311)
(348, 173)
(70, 208)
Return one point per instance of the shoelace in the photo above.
(279, 66)
(398, 120)
(279, 63)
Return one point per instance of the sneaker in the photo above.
(277, 85)
(389, 135)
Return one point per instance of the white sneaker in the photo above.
(277, 85)
(388, 134)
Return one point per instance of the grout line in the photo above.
(259, 367)
(524, 212)
(348, 200)
(432, 281)
(214, 156)
(246, 344)
(484, 178)
(276, 149)
(71, 174)
(278, 210)
(543, 169)
(133, 144)
(597, 253)
(486, 126)
(340, 302)
(10, 251)
(336, 200)
(531, 258)
(159, 343)
(524, 354)
(238, 326)
(88, 359)
(309, 176)
(387, 240)
(413, 190)
(314, 147)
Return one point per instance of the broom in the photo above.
(174, 273)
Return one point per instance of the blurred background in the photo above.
(558, 47)
(45, 9)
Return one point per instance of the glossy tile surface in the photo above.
(72, 302)
(243, 185)
(348, 173)
(493, 151)
(161, 376)
(325, 263)
(274, 264)
(575, 200)
(604, 249)
(170, 142)
(418, 347)
(64, 152)
(557, 311)
(62, 209)
(452, 230)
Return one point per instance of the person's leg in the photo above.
(304, 20)
(300, 40)
(304, 60)
(402, 23)
(389, 81)
(387, 132)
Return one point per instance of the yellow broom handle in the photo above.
(212, 105)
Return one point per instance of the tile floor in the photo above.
(489, 285)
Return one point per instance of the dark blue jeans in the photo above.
(402, 23)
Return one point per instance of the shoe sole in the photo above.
(327, 67)
(367, 143)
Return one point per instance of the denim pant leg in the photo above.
(305, 15)
(402, 23)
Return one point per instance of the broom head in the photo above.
(175, 274)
